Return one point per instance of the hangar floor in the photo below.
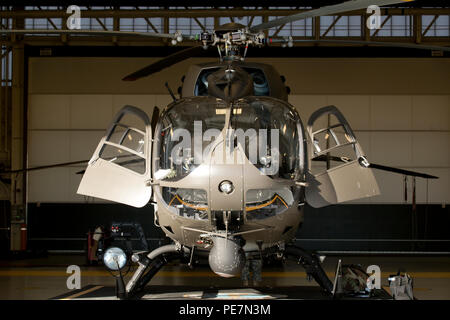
(44, 278)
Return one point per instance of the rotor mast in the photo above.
(232, 41)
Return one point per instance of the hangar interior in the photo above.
(60, 92)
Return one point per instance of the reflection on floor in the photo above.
(263, 292)
(44, 278)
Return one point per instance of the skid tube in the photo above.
(149, 265)
(312, 265)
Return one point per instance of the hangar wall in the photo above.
(72, 100)
(398, 108)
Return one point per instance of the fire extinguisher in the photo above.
(23, 237)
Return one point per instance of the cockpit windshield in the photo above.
(184, 133)
(192, 133)
(270, 132)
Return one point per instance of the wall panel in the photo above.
(390, 112)
(49, 111)
(90, 111)
(431, 112)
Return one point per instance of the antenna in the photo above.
(170, 92)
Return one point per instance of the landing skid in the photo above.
(151, 263)
(312, 265)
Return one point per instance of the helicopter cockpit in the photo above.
(269, 132)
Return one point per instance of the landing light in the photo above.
(226, 187)
(135, 258)
(114, 258)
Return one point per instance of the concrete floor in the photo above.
(44, 278)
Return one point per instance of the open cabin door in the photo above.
(119, 169)
(338, 169)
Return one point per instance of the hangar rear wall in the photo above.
(399, 109)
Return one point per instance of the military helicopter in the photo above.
(229, 165)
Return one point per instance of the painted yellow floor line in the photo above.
(193, 274)
(82, 292)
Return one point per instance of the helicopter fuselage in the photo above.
(229, 166)
(229, 163)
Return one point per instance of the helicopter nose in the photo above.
(226, 179)
(226, 187)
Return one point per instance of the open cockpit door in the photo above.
(338, 169)
(119, 170)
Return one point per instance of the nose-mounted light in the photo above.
(226, 187)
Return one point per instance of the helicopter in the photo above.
(229, 165)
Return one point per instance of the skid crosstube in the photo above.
(312, 266)
(149, 265)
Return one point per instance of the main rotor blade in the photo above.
(371, 43)
(324, 11)
(402, 171)
(381, 167)
(164, 63)
(46, 167)
(63, 164)
(91, 33)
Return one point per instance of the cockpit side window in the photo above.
(125, 144)
(260, 84)
(201, 86)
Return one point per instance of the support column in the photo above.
(116, 25)
(316, 33)
(18, 153)
(417, 28)
(365, 32)
(165, 28)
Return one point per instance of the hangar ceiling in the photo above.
(408, 23)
